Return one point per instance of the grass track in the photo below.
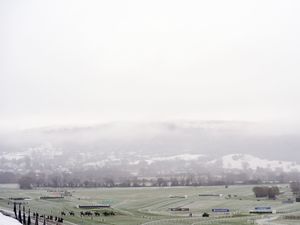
(135, 206)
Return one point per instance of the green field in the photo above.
(151, 206)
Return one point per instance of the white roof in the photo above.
(6, 220)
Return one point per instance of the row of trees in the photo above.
(295, 188)
(105, 180)
(272, 192)
(121, 175)
(116, 178)
(265, 191)
(22, 218)
(27, 221)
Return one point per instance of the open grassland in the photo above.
(151, 206)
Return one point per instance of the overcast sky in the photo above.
(78, 62)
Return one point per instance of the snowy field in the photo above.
(132, 206)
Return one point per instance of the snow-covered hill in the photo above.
(46, 157)
(246, 161)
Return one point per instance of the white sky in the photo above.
(73, 62)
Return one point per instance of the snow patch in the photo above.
(245, 161)
(6, 220)
(183, 157)
(46, 150)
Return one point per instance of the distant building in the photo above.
(177, 196)
(210, 195)
(93, 206)
(262, 210)
(179, 209)
(220, 210)
(51, 197)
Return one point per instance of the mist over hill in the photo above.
(213, 138)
